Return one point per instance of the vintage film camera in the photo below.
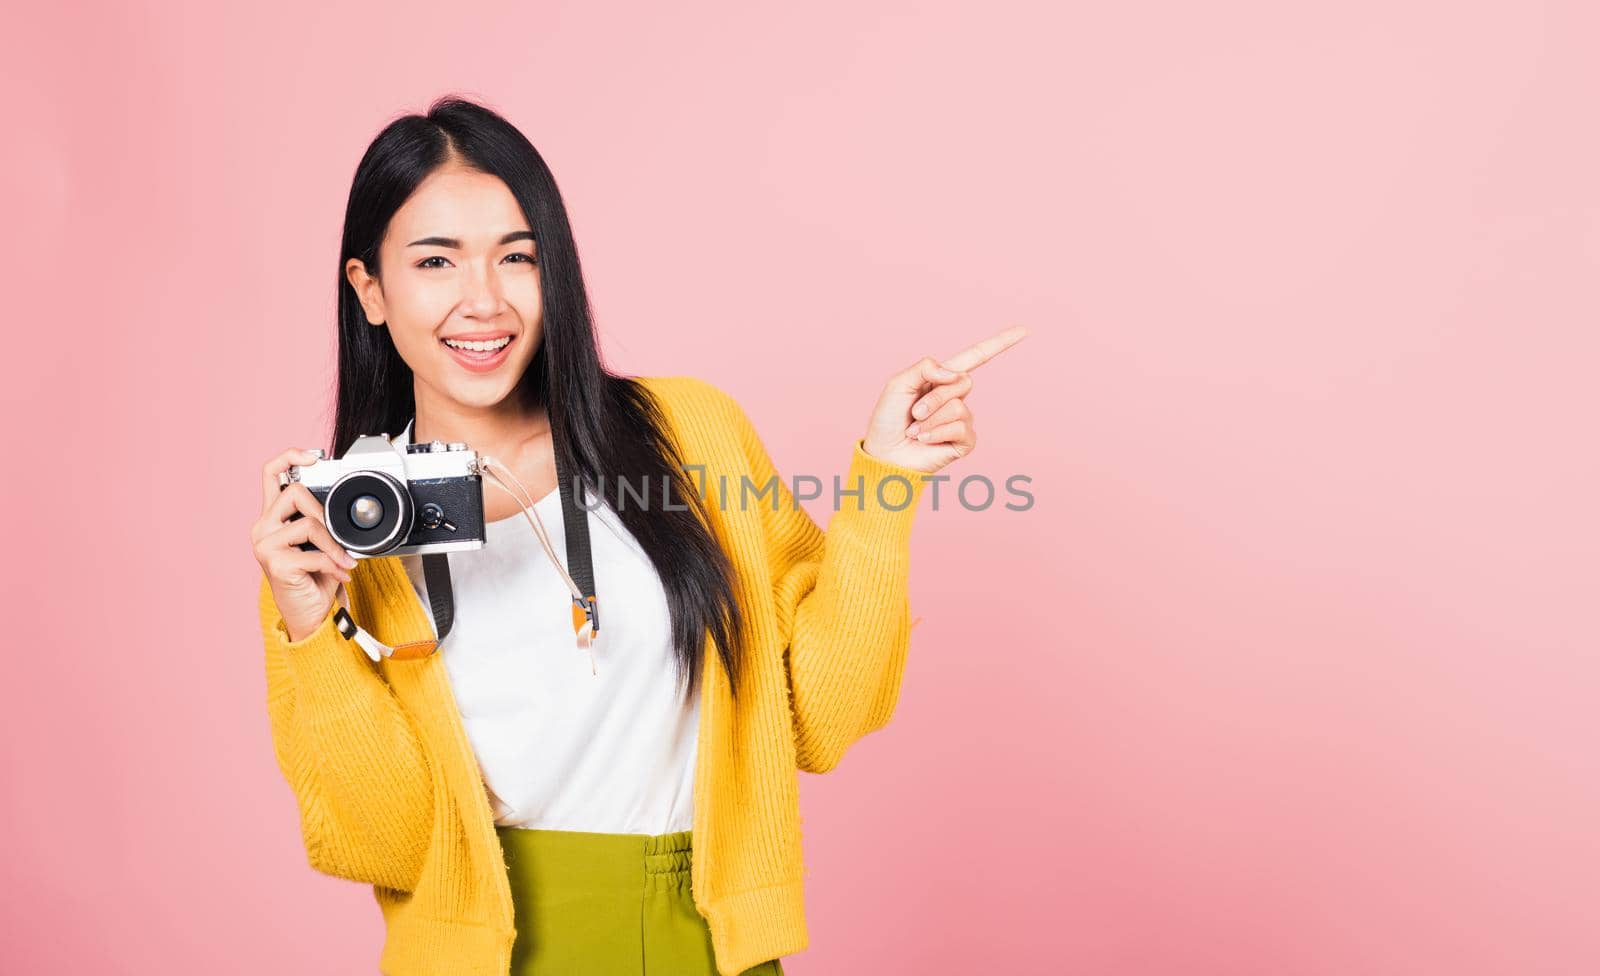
(380, 500)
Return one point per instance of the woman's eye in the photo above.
(517, 256)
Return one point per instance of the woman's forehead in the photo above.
(467, 205)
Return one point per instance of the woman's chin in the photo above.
(478, 389)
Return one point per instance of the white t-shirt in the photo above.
(560, 747)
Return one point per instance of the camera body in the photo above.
(382, 500)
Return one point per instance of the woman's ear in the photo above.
(368, 290)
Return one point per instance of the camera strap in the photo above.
(580, 561)
(441, 598)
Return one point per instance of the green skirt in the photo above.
(607, 905)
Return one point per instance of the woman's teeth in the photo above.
(486, 346)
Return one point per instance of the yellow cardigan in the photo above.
(389, 789)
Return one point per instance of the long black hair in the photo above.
(604, 426)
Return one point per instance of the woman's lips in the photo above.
(479, 362)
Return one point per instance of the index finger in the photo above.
(275, 467)
(981, 352)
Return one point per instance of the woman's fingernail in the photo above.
(944, 374)
(912, 430)
(919, 411)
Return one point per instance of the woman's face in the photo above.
(457, 263)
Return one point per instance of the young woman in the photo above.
(522, 793)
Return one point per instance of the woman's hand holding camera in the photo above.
(303, 581)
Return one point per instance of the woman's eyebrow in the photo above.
(516, 235)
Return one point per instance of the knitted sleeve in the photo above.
(349, 752)
(842, 598)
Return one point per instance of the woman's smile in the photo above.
(479, 352)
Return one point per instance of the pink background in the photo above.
(1301, 673)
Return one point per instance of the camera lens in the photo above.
(369, 512)
(366, 512)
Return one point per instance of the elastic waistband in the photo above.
(668, 853)
(560, 856)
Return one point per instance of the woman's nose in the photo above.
(480, 291)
